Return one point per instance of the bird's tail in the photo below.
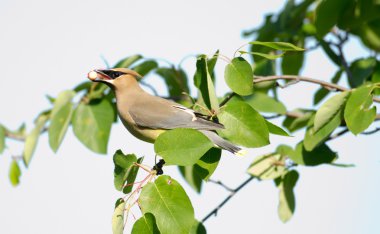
(224, 144)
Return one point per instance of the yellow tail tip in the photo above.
(241, 153)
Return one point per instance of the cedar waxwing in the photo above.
(146, 116)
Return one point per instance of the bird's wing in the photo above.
(159, 113)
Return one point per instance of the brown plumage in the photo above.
(147, 116)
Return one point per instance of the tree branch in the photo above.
(233, 192)
(327, 85)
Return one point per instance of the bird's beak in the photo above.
(98, 75)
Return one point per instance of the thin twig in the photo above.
(338, 134)
(371, 132)
(328, 85)
(227, 99)
(215, 211)
(221, 184)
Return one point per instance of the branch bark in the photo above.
(327, 85)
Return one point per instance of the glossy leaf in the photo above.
(92, 124)
(287, 203)
(243, 125)
(191, 177)
(176, 80)
(60, 118)
(14, 173)
(326, 15)
(264, 103)
(358, 114)
(267, 166)
(295, 123)
(330, 109)
(198, 228)
(314, 138)
(208, 163)
(128, 61)
(118, 217)
(183, 147)
(361, 69)
(146, 225)
(239, 76)
(125, 171)
(203, 81)
(2, 139)
(32, 139)
(168, 202)
(319, 155)
(145, 67)
(284, 46)
(274, 129)
(267, 56)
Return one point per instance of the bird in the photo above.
(146, 116)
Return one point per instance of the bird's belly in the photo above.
(144, 134)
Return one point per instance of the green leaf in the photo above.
(264, 68)
(330, 52)
(292, 63)
(146, 225)
(118, 217)
(168, 202)
(319, 155)
(267, 56)
(176, 80)
(274, 129)
(243, 125)
(14, 173)
(293, 124)
(145, 67)
(203, 81)
(60, 118)
(2, 138)
(326, 15)
(239, 76)
(208, 163)
(125, 171)
(314, 138)
(203, 169)
(128, 61)
(264, 103)
(267, 166)
(183, 147)
(361, 69)
(376, 78)
(198, 228)
(191, 176)
(32, 139)
(284, 46)
(92, 124)
(358, 114)
(82, 86)
(287, 203)
(330, 109)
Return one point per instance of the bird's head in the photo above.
(113, 76)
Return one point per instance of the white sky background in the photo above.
(48, 46)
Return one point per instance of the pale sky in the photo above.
(49, 46)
